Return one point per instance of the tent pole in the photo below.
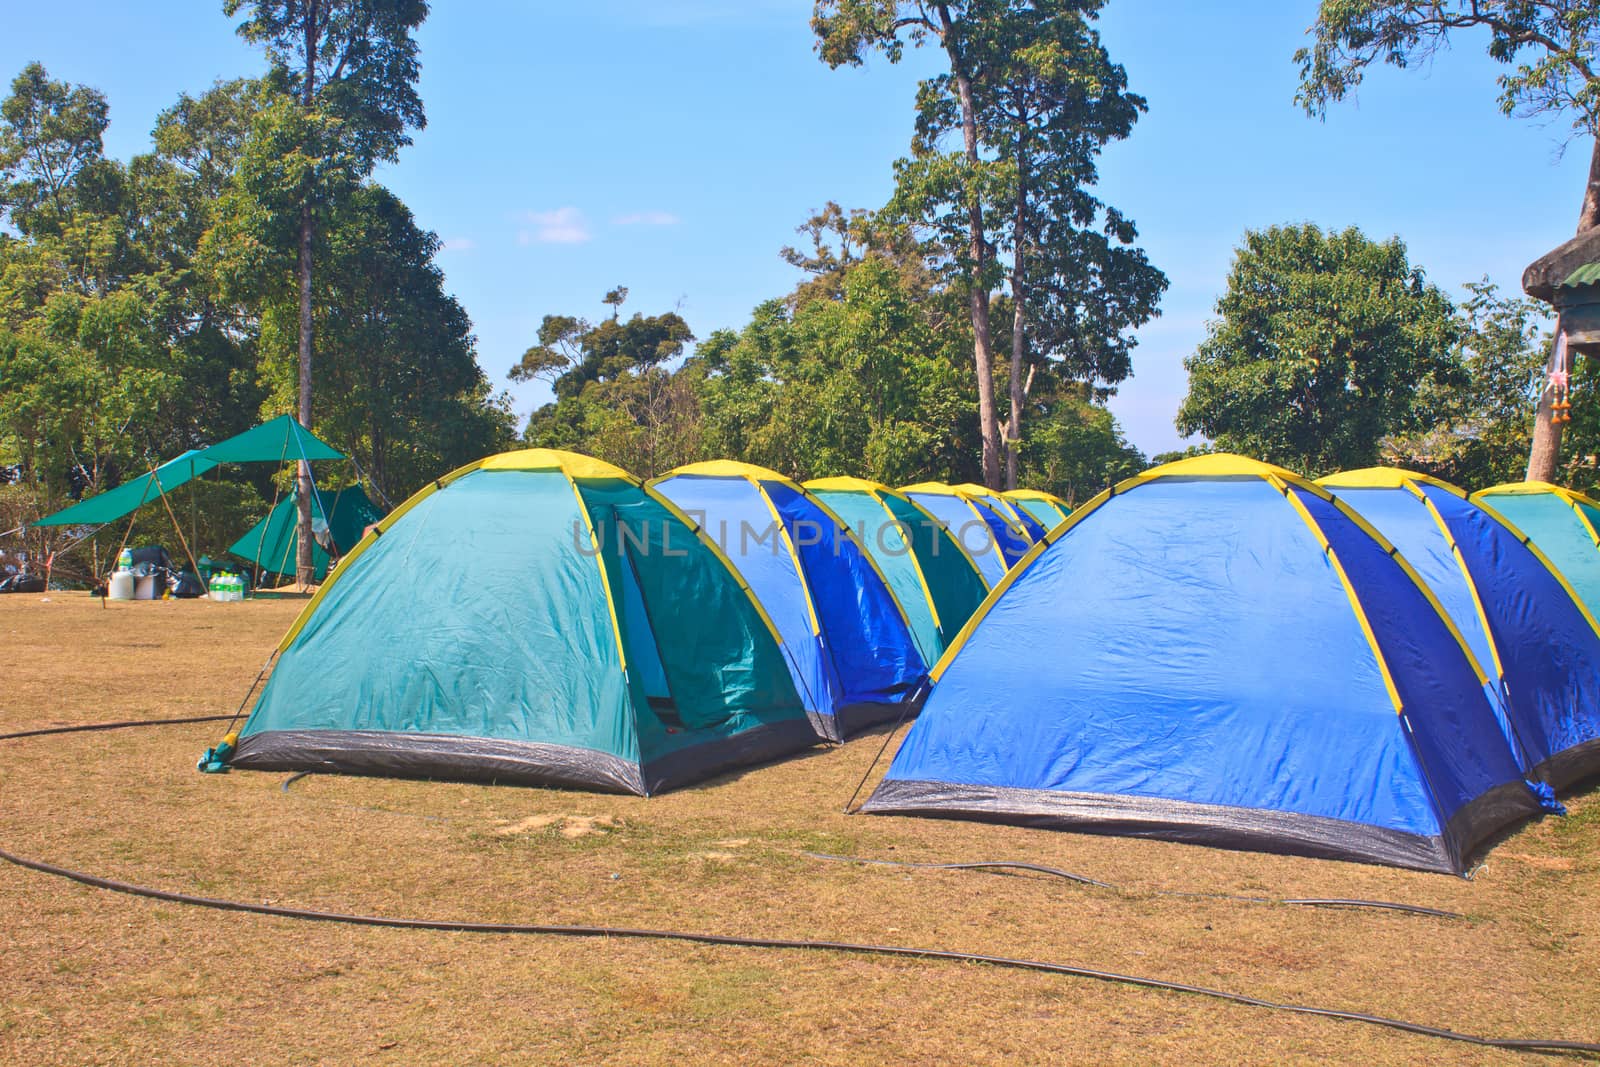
(194, 510)
(178, 529)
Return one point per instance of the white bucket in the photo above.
(145, 588)
(120, 587)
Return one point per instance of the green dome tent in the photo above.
(272, 545)
(1563, 524)
(537, 617)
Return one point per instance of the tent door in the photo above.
(644, 657)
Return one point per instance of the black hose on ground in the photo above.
(1537, 1045)
(127, 724)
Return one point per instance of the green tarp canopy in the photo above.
(274, 541)
(272, 442)
(132, 494)
(278, 441)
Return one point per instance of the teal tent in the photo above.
(537, 617)
(932, 577)
(273, 543)
(1563, 524)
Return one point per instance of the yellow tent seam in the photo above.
(840, 526)
(916, 565)
(940, 525)
(794, 556)
(1472, 587)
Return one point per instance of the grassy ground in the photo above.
(89, 976)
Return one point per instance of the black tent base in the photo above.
(1216, 825)
(480, 759)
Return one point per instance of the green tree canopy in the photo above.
(1324, 343)
(1478, 423)
(1552, 50)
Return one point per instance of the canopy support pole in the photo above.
(178, 528)
(133, 517)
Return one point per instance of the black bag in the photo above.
(187, 585)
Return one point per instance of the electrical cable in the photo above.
(1535, 1045)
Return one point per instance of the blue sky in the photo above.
(672, 146)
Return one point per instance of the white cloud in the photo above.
(647, 218)
(563, 226)
(457, 244)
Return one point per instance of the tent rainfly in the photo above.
(986, 536)
(1253, 666)
(1047, 509)
(934, 580)
(1564, 525)
(537, 617)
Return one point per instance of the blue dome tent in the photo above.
(848, 640)
(982, 534)
(1522, 620)
(1047, 509)
(1217, 651)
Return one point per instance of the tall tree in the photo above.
(1050, 101)
(1553, 50)
(350, 67)
(1323, 345)
(50, 141)
(1032, 97)
(847, 31)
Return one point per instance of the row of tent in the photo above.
(544, 617)
(1375, 667)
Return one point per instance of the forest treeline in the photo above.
(970, 328)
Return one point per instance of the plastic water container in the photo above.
(120, 587)
(125, 560)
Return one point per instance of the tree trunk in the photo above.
(1544, 457)
(978, 253)
(305, 562)
(1019, 318)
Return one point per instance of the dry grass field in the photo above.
(88, 976)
